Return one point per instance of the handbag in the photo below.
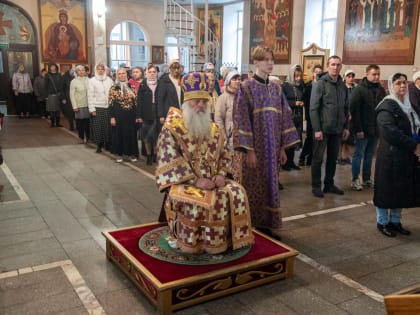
(82, 113)
(53, 100)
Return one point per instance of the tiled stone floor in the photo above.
(74, 194)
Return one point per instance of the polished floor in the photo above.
(57, 196)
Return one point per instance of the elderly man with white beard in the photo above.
(205, 211)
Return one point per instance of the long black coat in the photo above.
(363, 101)
(395, 162)
(167, 96)
(146, 109)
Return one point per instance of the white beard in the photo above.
(197, 123)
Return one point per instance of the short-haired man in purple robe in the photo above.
(263, 129)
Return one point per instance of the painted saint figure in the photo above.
(64, 40)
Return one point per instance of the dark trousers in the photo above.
(23, 103)
(290, 153)
(55, 119)
(83, 128)
(330, 143)
(307, 146)
(41, 110)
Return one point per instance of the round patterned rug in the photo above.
(155, 244)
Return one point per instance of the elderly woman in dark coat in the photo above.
(122, 112)
(398, 152)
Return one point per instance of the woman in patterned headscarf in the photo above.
(122, 110)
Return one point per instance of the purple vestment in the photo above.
(263, 123)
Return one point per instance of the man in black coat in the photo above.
(364, 99)
(169, 92)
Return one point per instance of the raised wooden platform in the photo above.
(171, 286)
(404, 302)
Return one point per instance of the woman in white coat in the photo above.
(79, 101)
(98, 93)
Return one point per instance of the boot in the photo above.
(57, 121)
(149, 159)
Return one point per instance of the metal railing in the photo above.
(181, 23)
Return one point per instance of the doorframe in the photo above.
(6, 89)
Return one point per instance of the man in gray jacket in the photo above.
(329, 110)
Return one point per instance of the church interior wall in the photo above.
(150, 17)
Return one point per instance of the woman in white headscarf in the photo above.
(98, 92)
(397, 159)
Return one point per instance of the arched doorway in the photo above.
(17, 45)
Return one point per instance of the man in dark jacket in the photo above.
(364, 99)
(329, 117)
(414, 92)
(169, 92)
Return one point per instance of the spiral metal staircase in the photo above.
(184, 25)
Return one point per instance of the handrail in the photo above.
(185, 26)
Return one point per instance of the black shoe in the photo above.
(397, 227)
(281, 187)
(98, 150)
(286, 167)
(59, 125)
(301, 163)
(333, 190)
(317, 192)
(295, 167)
(385, 230)
(149, 159)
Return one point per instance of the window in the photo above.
(128, 46)
(321, 23)
(232, 35)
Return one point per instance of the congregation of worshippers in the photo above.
(269, 125)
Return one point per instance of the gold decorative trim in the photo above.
(222, 284)
(247, 276)
(266, 109)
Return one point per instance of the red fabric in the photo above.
(167, 272)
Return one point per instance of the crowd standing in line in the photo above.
(261, 120)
